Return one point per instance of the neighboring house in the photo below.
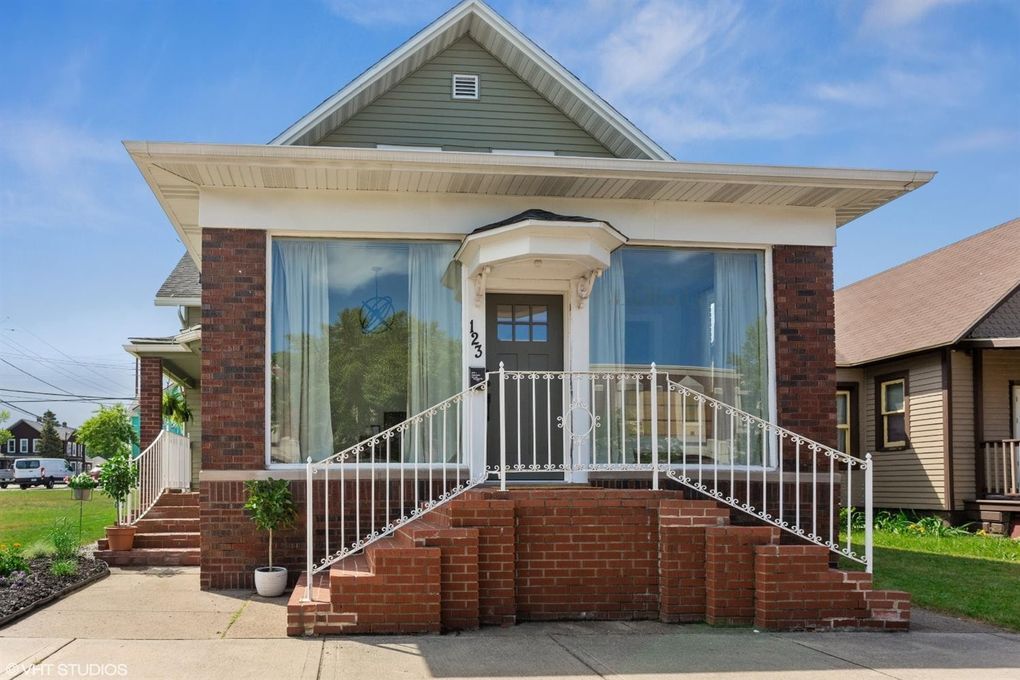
(468, 217)
(25, 441)
(929, 378)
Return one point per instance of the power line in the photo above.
(64, 371)
(59, 394)
(69, 399)
(62, 352)
(125, 366)
(18, 408)
(35, 377)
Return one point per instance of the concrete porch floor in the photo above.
(156, 623)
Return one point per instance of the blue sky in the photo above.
(903, 84)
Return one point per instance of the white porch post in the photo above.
(578, 358)
(474, 428)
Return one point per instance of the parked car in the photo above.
(6, 477)
(40, 472)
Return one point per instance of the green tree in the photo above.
(108, 433)
(5, 434)
(50, 444)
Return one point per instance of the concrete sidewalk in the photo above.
(158, 624)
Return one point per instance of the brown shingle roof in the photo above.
(931, 301)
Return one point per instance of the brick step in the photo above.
(177, 539)
(150, 525)
(172, 512)
(188, 498)
(151, 557)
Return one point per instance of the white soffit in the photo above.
(177, 173)
(514, 49)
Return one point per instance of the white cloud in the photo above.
(893, 14)
(980, 140)
(54, 174)
(382, 12)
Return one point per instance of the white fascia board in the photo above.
(610, 168)
(178, 302)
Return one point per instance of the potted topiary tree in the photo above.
(272, 507)
(116, 479)
(109, 433)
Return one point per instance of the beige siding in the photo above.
(914, 477)
(193, 396)
(999, 368)
(964, 488)
(509, 114)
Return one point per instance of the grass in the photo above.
(27, 517)
(972, 576)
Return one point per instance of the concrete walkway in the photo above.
(158, 624)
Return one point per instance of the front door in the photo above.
(525, 332)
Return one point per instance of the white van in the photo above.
(40, 472)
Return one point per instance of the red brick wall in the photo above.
(591, 554)
(233, 349)
(729, 572)
(805, 341)
(150, 399)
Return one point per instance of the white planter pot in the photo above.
(270, 581)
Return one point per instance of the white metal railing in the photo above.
(165, 464)
(647, 421)
(565, 422)
(773, 480)
(371, 489)
(1002, 459)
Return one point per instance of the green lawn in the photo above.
(26, 516)
(972, 576)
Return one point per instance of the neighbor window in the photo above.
(364, 334)
(700, 316)
(11, 444)
(843, 423)
(893, 412)
(35, 446)
(23, 446)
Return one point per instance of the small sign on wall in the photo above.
(476, 375)
(476, 344)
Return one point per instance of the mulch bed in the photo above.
(20, 595)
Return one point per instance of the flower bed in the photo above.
(23, 591)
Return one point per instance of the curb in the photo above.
(52, 597)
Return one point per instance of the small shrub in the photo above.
(12, 559)
(41, 548)
(64, 568)
(64, 537)
(856, 518)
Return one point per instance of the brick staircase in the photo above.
(497, 558)
(167, 536)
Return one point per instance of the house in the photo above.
(25, 441)
(515, 361)
(929, 379)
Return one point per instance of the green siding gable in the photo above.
(509, 113)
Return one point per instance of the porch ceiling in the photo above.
(181, 354)
(177, 172)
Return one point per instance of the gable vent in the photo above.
(465, 86)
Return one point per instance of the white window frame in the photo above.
(471, 76)
(35, 444)
(23, 445)
(884, 413)
(12, 445)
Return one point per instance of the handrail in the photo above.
(1001, 466)
(772, 465)
(423, 464)
(164, 464)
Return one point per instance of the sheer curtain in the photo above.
(303, 425)
(434, 339)
(607, 326)
(738, 347)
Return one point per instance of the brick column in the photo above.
(150, 399)
(805, 341)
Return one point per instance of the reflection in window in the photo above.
(364, 334)
(699, 315)
(893, 407)
(522, 323)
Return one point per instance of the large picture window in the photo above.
(700, 316)
(363, 334)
